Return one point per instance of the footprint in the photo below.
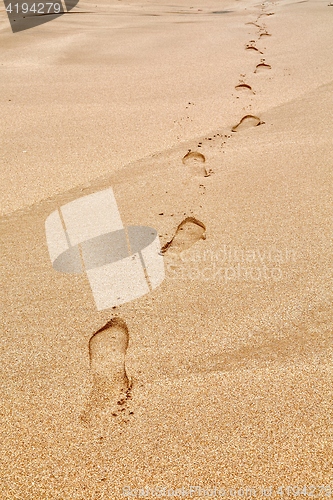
(196, 162)
(262, 67)
(244, 87)
(252, 47)
(254, 24)
(264, 34)
(247, 121)
(189, 231)
(111, 386)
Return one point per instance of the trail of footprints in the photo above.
(111, 389)
(195, 160)
(251, 120)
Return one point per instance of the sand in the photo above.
(225, 369)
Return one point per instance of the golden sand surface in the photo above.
(212, 122)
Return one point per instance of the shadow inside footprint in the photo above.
(244, 87)
(107, 350)
(196, 162)
(254, 24)
(251, 47)
(247, 121)
(262, 66)
(188, 232)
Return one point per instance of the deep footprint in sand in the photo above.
(247, 121)
(253, 48)
(196, 162)
(189, 231)
(111, 385)
(262, 67)
(244, 87)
